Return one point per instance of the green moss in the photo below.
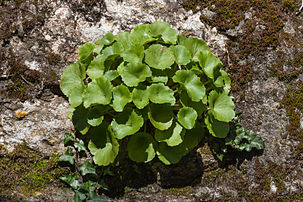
(184, 191)
(26, 171)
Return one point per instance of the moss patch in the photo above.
(26, 171)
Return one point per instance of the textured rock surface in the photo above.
(38, 40)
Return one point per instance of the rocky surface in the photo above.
(260, 43)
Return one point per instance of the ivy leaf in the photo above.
(68, 139)
(247, 140)
(159, 57)
(209, 63)
(172, 136)
(86, 53)
(72, 83)
(103, 145)
(160, 94)
(134, 54)
(140, 147)
(194, 87)
(95, 115)
(87, 169)
(221, 106)
(71, 181)
(223, 81)
(121, 96)
(187, 117)
(182, 55)
(79, 117)
(127, 123)
(164, 30)
(199, 107)
(194, 46)
(68, 156)
(79, 146)
(161, 116)
(133, 73)
(99, 91)
(140, 97)
(79, 197)
(141, 35)
(217, 128)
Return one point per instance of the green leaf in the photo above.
(247, 140)
(127, 123)
(79, 146)
(160, 94)
(199, 107)
(99, 91)
(172, 136)
(161, 116)
(95, 115)
(158, 76)
(68, 156)
(96, 68)
(217, 128)
(164, 30)
(140, 97)
(187, 117)
(170, 155)
(141, 35)
(86, 53)
(159, 57)
(134, 54)
(182, 55)
(124, 39)
(121, 96)
(194, 45)
(103, 145)
(191, 82)
(87, 169)
(106, 40)
(140, 147)
(223, 81)
(68, 139)
(209, 63)
(79, 118)
(72, 83)
(79, 197)
(221, 106)
(133, 73)
(71, 181)
(111, 75)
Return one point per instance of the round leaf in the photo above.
(141, 35)
(86, 53)
(99, 91)
(182, 55)
(95, 115)
(199, 107)
(140, 97)
(209, 63)
(79, 117)
(72, 83)
(194, 45)
(172, 136)
(221, 106)
(187, 117)
(159, 57)
(121, 96)
(160, 94)
(96, 68)
(134, 54)
(161, 116)
(194, 87)
(127, 123)
(223, 81)
(133, 73)
(140, 147)
(170, 155)
(216, 128)
(164, 30)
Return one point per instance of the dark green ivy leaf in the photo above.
(68, 139)
(87, 168)
(68, 156)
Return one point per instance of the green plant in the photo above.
(87, 179)
(161, 91)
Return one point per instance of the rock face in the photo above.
(261, 45)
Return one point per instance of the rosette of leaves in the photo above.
(160, 90)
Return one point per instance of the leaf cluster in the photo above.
(162, 91)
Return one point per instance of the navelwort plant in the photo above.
(161, 91)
